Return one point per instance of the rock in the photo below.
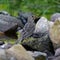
(19, 53)
(39, 44)
(2, 54)
(6, 46)
(38, 55)
(41, 27)
(2, 42)
(23, 16)
(55, 34)
(8, 29)
(55, 16)
(9, 25)
(56, 58)
(4, 13)
(50, 24)
(28, 30)
(57, 52)
(50, 58)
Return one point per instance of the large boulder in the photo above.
(23, 16)
(19, 53)
(55, 34)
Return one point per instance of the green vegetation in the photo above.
(37, 7)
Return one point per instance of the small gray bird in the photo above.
(28, 29)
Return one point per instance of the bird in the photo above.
(27, 30)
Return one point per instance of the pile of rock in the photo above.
(39, 40)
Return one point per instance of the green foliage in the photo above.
(38, 7)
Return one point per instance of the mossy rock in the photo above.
(39, 44)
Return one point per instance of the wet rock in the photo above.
(55, 16)
(39, 44)
(19, 53)
(10, 19)
(41, 27)
(55, 34)
(38, 55)
(28, 29)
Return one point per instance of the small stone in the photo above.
(57, 52)
(55, 16)
(38, 55)
(6, 46)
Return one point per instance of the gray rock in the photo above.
(56, 58)
(38, 55)
(4, 13)
(55, 16)
(57, 52)
(9, 19)
(6, 46)
(28, 29)
(9, 25)
(42, 27)
(39, 44)
(23, 16)
(2, 54)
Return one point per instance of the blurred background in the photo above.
(37, 7)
